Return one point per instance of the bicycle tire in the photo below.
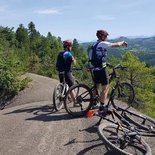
(77, 107)
(141, 121)
(57, 97)
(124, 93)
(113, 138)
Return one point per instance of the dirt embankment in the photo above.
(39, 89)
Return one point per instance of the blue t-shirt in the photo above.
(68, 57)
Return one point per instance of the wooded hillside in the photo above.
(26, 50)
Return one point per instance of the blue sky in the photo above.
(80, 19)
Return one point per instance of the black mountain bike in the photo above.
(60, 92)
(85, 99)
(119, 134)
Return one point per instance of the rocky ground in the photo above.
(29, 126)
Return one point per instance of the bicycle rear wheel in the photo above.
(141, 121)
(80, 104)
(124, 95)
(117, 139)
(57, 97)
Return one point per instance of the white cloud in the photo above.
(48, 11)
(103, 17)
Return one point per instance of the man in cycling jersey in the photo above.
(100, 73)
(68, 61)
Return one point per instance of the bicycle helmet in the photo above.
(101, 33)
(67, 43)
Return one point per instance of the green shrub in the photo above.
(11, 70)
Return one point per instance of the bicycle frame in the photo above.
(97, 96)
(65, 86)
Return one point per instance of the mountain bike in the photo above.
(60, 92)
(85, 99)
(120, 135)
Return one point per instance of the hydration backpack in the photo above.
(97, 56)
(94, 59)
(60, 63)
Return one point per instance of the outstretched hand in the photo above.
(125, 44)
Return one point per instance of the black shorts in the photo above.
(68, 78)
(101, 76)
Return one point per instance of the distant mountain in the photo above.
(143, 48)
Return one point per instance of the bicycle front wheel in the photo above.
(57, 97)
(78, 100)
(116, 139)
(124, 95)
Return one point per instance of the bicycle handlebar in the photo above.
(118, 66)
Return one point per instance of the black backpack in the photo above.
(60, 63)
